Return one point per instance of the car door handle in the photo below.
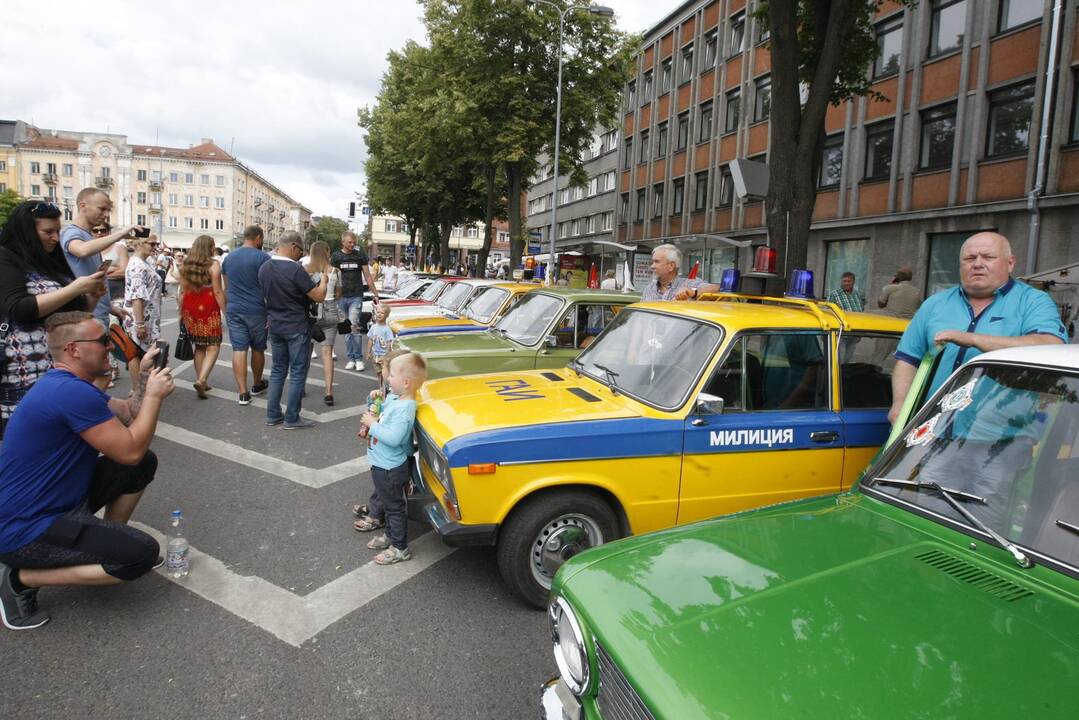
(824, 436)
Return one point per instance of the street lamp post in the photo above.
(562, 13)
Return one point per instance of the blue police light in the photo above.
(728, 282)
(801, 285)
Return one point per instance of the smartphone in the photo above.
(142, 232)
(104, 266)
(161, 361)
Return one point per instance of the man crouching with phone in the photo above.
(69, 451)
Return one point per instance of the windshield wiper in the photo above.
(611, 375)
(953, 497)
(575, 366)
(1068, 526)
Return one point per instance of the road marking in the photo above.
(323, 417)
(369, 376)
(293, 618)
(300, 474)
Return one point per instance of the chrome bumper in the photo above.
(559, 703)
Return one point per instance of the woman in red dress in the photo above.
(202, 301)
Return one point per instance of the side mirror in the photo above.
(706, 404)
(551, 341)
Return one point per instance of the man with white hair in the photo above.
(666, 284)
(988, 310)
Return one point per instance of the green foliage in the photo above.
(8, 200)
(328, 230)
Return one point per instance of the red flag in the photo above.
(693, 271)
(593, 277)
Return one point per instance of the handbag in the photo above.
(124, 347)
(344, 327)
(317, 333)
(184, 349)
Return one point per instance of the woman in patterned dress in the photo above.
(142, 300)
(202, 300)
(35, 282)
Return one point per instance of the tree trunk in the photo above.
(489, 218)
(445, 229)
(517, 238)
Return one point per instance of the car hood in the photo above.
(432, 325)
(835, 607)
(414, 311)
(445, 344)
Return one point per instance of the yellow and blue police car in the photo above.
(677, 412)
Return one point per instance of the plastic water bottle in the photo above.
(177, 561)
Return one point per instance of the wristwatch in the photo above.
(695, 292)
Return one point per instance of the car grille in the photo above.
(617, 699)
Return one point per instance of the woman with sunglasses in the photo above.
(142, 300)
(201, 298)
(35, 282)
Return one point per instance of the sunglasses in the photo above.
(103, 340)
(100, 231)
(42, 209)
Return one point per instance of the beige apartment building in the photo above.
(390, 235)
(180, 193)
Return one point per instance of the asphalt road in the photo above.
(283, 615)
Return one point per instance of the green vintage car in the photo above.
(946, 585)
(546, 329)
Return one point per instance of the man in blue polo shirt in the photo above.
(988, 310)
(246, 314)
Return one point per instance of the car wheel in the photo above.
(545, 532)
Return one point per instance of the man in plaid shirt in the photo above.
(845, 297)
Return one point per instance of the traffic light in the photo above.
(352, 209)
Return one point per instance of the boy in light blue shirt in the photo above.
(380, 338)
(391, 446)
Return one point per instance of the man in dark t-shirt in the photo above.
(355, 275)
(286, 288)
(246, 314)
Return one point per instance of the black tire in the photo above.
(581, 518)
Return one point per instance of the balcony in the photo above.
(270, 208)
(281, 215)
(258, 203)
(103, 181)
(156, 186)
(271, 226)
(155, 208)
(49, 178)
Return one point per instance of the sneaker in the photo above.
(359, 366)
(378, 542)
(392, 555)
(260, 387)
(328, 400)
(245, 398)
(334, 356)
(314, 354)
(160, 562)
(350, 365)
(276, 421)
(300, 424)
(19, 609)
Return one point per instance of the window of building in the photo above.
(189, 178)
(1010, 112)
(155, 176)
(50, 192)
(69, 169)
(631, 93)
(665, 76)
(219, 224)
(204, 179)
(35, 168)
(204, 201)
(762, 99)
(629, 153)
(220, 180)
(106, 172)
(563, 229)
(725, 188)
(1075, 106)
(878, 150)
(943, 269)
(843, 256)
(472, 231)
(219, 203)
(946, 24)
(69, 192)
(641, 200)
(678, 196)
(174, 177)
(644, 146)
(687, 64)
(761, 31)
(391, 226)
(608, 183)
(593, 186)
(204, 224)
(1013, 13)
(831, 165)
(889, 46)
(3, 165)
(141, 175)
(35, 191)
(172, 221)
(174, 199)
(646, 87)
(606, 220)
(734, 110)
(711, 50)
(938, 136)
(3, 187)
(140, 198)
(738, 34)
(189, 201)
(704, 129)
(657, 200)
(682, 138)
(589, 225)
(189, 223)
(661, 140)
(624, 214)
(700, 191)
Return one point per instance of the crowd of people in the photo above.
(70, 450)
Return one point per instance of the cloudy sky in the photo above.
(276, 83)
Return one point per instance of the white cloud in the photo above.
(278, 82)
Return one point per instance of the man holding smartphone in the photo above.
(83, 250)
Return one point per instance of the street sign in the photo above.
(536, 234)
(534, 249)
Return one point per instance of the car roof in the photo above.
(1058, 355)
(785, 313)
(517, 286)
(590, 294)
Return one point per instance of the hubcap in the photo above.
(558, 541)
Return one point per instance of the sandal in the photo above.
(368, 524)
(200, 388)
(378, 542)
(392, 555)
(360, 510)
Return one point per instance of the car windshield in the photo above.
(656, 358)
(482, 307)
(455, 295)
(408, 288)
(528, 321)
(433, 290)
(1005, 441)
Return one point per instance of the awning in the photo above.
(673, 239)
(1063, 275)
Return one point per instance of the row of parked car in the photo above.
(765, 579)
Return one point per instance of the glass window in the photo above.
(738, 34)
(1010, 112)
(946, 24)
(69, 169)
(661, 140)
(484, 305)
(646, 87)
(762, 99)
(204, 223)
(220, 203)
(865, 370)
(581, 324)
(711, 43)
(831, 165)
(843, 256)
(1013, 13)
(140, 198)
(35, 168)
(763, 32)
(629, 153)
(683, 131)
(454, 296)
(878, 149)
(641, 201)
(220, 180)
(529, 319)
(734, 110)
(705, 129)
(625, 206)
(728, 382)
(944, 260)
(174, 177)
(631, 94)
(687, 64)
(140, 175)
(1075, 107)
(644, 146)
(657, 200)
(204, 179)
(938, 136)
(700, 191)
(189, 178)
(219, 224)
(678, 196)
(725, 188)
(665, 76)
(786, 371)
(889, 46)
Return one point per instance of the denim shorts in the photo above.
(246, 331)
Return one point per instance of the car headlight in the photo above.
(570, 653)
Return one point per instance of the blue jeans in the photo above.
(291, 357)
(388, 502)
(353, 306)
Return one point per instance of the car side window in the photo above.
(728, 380)
(786, 371)
(865, 370)
(581, 324)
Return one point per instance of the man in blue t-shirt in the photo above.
(286, 290)
(53, 480)
(988, 310)
(246, 316)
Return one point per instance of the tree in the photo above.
(8, 200)
(329, 230)
(821, 51)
